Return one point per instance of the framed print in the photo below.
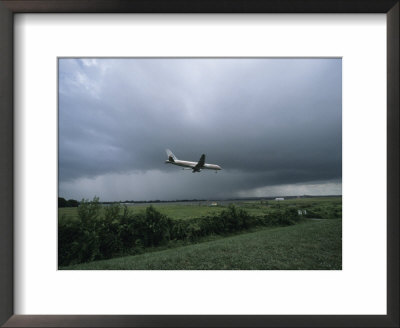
(154, 56)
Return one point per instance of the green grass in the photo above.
(312, 245)
(187, 211)
(175, 211)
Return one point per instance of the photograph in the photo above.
(199, 163)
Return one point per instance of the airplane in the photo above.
(194, 166)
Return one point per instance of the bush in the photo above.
(290, 216)
(110, 241)
(89, 211)
(179, 229)
(281, 217)
(94, 237)
(324, 212)
(76, 244)
(155, 227)
(112, 211)
(69, 235)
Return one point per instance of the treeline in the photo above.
(155, 201)
(94, 237)
(62, 202)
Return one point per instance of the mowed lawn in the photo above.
(312, 245)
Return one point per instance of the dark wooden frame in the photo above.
(7, 10)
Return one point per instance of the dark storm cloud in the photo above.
(265, 121)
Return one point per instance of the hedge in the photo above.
(92, 237)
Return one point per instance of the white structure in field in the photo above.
(279, 198)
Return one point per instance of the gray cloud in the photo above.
(267, 122)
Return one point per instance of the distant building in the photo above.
(279, 198)
(213, 204)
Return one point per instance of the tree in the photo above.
(62, 202)
(89, 211)
(73, 203)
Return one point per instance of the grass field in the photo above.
(175, 211)
(311, 245)
(186, 211)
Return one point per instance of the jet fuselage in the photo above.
(191, 165)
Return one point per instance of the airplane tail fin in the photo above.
(171, 156)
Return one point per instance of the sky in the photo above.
(273, 125)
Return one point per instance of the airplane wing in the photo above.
(201, 162)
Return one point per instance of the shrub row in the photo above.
(95, 237)
(324, 212)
